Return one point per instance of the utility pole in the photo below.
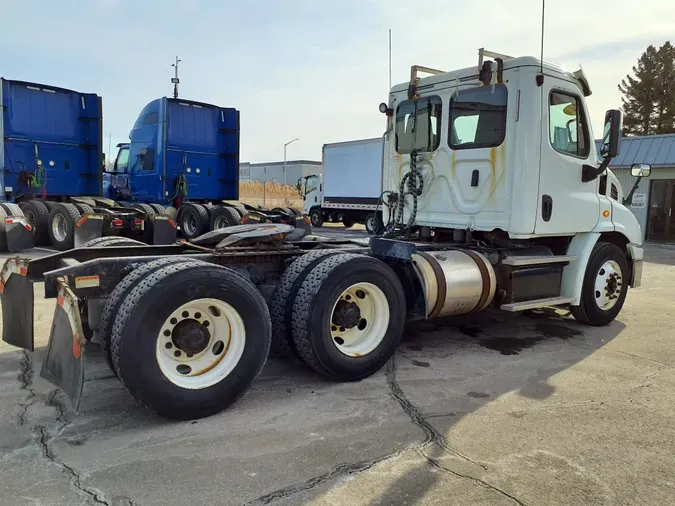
(175, 79)
(289, 142)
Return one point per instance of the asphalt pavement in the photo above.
(488, 409)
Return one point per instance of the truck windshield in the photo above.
(418, 124)
(311, 184)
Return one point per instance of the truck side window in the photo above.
(478, 117)
(567, 125)
(310, 185)
(151, 118)
(418, 123)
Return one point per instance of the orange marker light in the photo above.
(605, 214)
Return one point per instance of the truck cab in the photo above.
(179, 149)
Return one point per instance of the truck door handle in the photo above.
(546, 207)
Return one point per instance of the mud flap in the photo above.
(163, 230)
(64, 362)
(87, 228)
(303, 228)
(19, 234)
(16, 297)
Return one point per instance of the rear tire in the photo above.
(163, 300)
(110, 241)
(62, 219)
(159, 209)
(146, 208)
(222, 217)
(83, 208)
(605, 286)
(12, 209)
(37, 214)
(281, 305)
(194, 220)
(368, 334)
(348, 222)
(119, 295)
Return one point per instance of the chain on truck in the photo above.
(493, 199)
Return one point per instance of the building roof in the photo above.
(288, 162)
(656, 150)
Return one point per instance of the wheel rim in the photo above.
(370, 225)
(190, 224)
(200, 343)
(220, 222)
(608, 285)
(59, 227)
(30, 217)
(359, 319)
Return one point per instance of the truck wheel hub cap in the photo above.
(190, 336)
(200, 343)
(359, 320)
(608, 285)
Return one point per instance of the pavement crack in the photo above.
(45, 441)
(337, 472)
(433, 436)
(478, 481)
(26, 381)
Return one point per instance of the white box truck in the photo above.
(349, 190)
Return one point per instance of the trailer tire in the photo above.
(119, 294)
(110, 241)
(316, 217)
(12, 209)
(357, 280)
(281, 305)
(62, 219)
(607, 270)
(159, 209)
(37, 214)
(222, 217)
(143, 353)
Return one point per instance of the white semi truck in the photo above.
(495, 198)
(348, 192)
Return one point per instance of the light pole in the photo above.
(289, 142)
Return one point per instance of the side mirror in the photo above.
(610, 134)
(640, 170)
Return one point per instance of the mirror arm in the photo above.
(589, 173)
(629, 198)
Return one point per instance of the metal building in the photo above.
(654, 199)
(274, 171)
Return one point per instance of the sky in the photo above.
(312, 69)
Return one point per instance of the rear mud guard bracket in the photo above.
(64, 362)
(16, 296)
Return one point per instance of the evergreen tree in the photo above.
(649, 94)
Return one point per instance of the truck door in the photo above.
(312, 193)
(566, 204)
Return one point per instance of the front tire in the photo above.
(348, 316)
(189, 340)
(316, 217)
(605, 286)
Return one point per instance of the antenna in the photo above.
(540, 77)
(390, 58)
(175, 79)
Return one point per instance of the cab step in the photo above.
(514, 307)
(519, 261)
